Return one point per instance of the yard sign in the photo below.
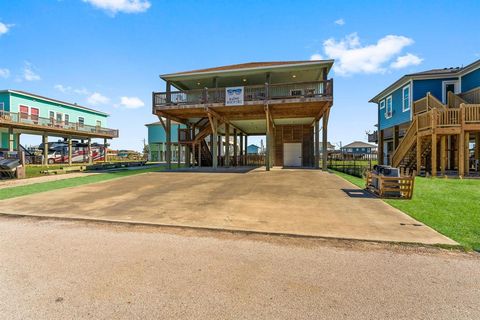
(234, 96)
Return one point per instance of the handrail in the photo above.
(472, 113)
(471, 96)
(454, 100)
(15, 117)
(405, 144)
(251, 93)
(427, 103)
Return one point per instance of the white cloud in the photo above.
(352, 57)
(4, 28)
(316, 56)
(406, 60)
(82, 91)
(97, 99)
(131, 102)
(126, 6)
(29, 74)
(4, 73)
(339, 22)
(62, 88)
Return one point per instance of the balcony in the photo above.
(255, 94)
(36, 123)
(373, 137)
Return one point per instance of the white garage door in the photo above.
(292, 154)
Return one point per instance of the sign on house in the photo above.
(234, 96)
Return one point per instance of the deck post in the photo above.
(477, 146)
(90, 156)
(467, 153)
(179, 154)
(199, 154)
(214, 142)
(241, 149)
(419, 154)
(317, 145)
(45, 149)
(380, 146)
(227, 145)
(461, 153)
(267, 138)
(187, 147)
(11, 139)
(396, 130)
(220, 150)
(169, 143)
(434, 154)
(324, 140)
(70, 151)
(443, 154)
(105, 150)
(235, 148)
(246, 150)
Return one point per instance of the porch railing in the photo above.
(251, 93)
(14, 117)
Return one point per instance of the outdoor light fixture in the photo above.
(244, 80)
(198, 83)
(294, 76)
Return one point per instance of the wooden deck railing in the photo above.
(454, 100)
(406, 143)
(251, 93)
(472, 113)
(36, 121)
(471, 96)
(449, 118)
(427, 103)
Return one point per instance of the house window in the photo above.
(406, 98)
(59, 117)
(388, 111)
(67, 119)
(382, 104)
(34, 114)
(2, 107)
(81, 121)
(23, 112)
(51, 115)
(99, 123)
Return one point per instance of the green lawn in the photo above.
(72, 182)
(450, 206)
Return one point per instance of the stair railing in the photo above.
(405, 144)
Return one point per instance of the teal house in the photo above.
(436, 108)
(27, 113)
(253, 149)
(157, 142)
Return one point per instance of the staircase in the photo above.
(206, 155)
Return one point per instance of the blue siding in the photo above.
(434, 86)
(471, 80)
(156, 133)
(398, 115)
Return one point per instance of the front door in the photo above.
(449, 86)
(292, 154)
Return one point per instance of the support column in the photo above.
(443, 154)
(380, 146)
(214, 124)
(396, 130)
(70, 151)
(246, 150)
(105, 151)
(11, 140)
(45, 149)
(324, 140)
(227, 145)
(199, 154)
(267, 138)
(461, 154)
(434, 154)
(169, 144)
(159, 152)
(467, 153)
(241, 150)
(179, 154)
(317, 145)
(477, 146)
(235, 148)
(18, 142)
(90, 157)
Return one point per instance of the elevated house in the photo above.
(429, 121)
(359, 149)
(253, 149)
(157, 141)
(27, 113)
(285, 101)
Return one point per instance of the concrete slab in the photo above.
(301, 202)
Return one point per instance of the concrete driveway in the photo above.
(301, 202)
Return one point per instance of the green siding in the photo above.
(5, 99)
(45, 107)
(4, 140)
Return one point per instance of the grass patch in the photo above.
(450, 206)
(13, 192)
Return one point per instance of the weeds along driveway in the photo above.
(301, 202)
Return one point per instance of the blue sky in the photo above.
(107, 54)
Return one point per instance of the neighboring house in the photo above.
(359, 148)
(437, 112)
(24, 112)
(285, 101)
(157, 141)
(253, 149)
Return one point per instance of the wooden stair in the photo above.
(206, 156)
